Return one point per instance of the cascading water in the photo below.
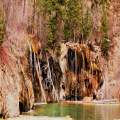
(76, 66)
(50, 77)
(38, 69)
(83, 70)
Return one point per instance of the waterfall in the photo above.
(83, 70)
(76, 66)
(83, 57)
(49, 75)
(73, 68)
(31, 57)
(38, 70)
(32, 64)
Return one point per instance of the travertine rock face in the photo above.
(81, 71)
(112, 88)
(111, 71)
(12, 75)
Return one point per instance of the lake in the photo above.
(80, 112)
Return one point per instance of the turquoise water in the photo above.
(80, 112)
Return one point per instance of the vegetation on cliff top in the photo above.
(104, 28)
(72, 20)
(74, 17)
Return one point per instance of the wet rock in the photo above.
(83, 73)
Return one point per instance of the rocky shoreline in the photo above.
(90, 101)
(26, 117)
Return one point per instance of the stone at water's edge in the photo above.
(40, 118)
(87, 99)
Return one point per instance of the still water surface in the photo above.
(80, 112)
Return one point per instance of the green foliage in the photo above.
(72, 19)
(2, 27)
(67, 31)
(52, 30)
(53, 9)
(103, 2)
(104, 19)
(104, 28)
(105, 47)
(105, 43)
(78, 20)
(86, 26)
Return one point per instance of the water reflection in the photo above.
(80, 112)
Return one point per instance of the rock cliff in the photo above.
(37, 64)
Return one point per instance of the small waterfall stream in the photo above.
(50, 77)
(76, 74)
(38, 70)
(35, 67)
(83, 70)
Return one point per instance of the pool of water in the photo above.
(80, 112)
